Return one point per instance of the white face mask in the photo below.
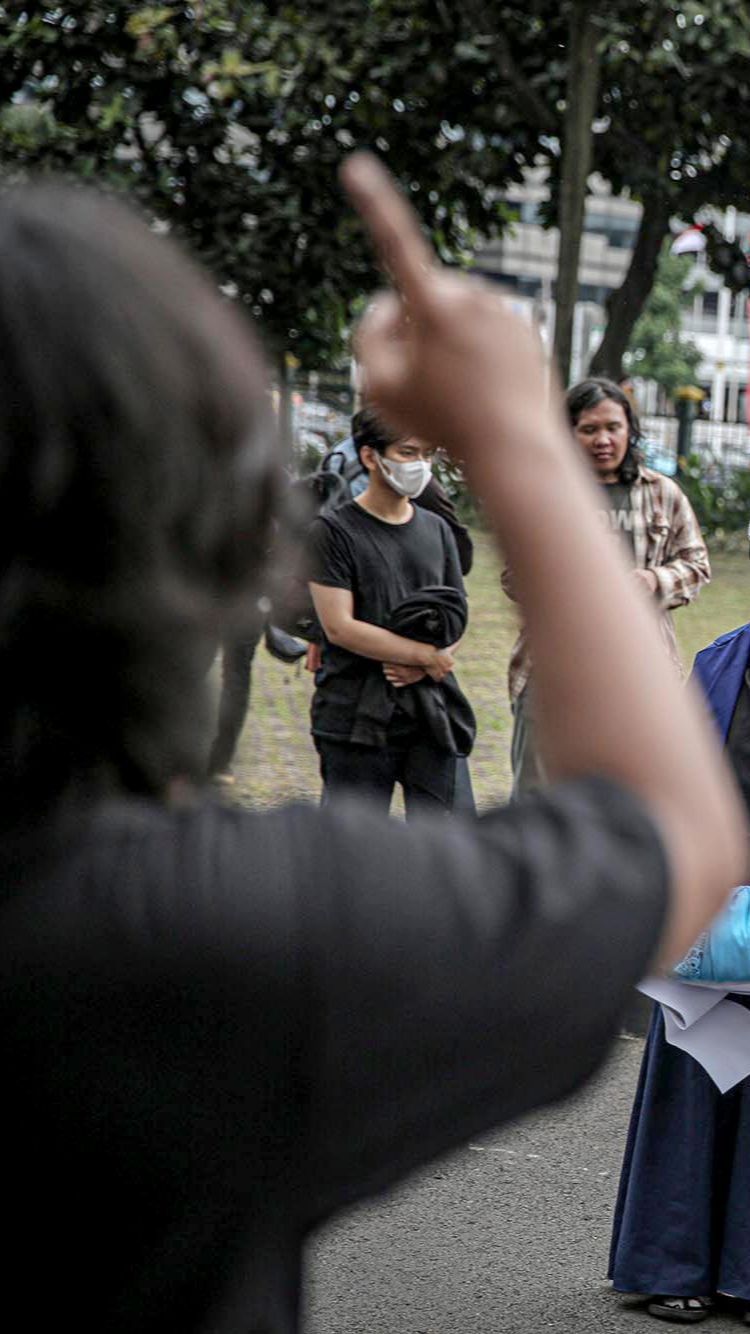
(408, 479)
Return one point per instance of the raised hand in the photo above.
(443, 353)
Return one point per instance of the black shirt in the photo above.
(219, 1027)
(435, 498)
(381, 564)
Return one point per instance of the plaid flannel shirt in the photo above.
(666, 539)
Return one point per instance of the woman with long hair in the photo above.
(653, 519)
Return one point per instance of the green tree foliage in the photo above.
(719, 496)
(228, 122)
(671, 120)
(675, 111)
(658, 349)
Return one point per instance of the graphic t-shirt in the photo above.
(618, 516)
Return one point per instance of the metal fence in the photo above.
(323, 402)
(721, 445)
(321, 410)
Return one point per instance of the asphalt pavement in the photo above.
(509, 1234)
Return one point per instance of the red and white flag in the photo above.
(689, 242)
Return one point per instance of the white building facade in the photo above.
(525, 259)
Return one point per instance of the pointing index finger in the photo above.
(392, 224)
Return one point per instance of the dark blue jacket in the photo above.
(720, 670)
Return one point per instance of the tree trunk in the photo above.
(581, 96)
(625, 304)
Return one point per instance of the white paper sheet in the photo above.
(702, 1022)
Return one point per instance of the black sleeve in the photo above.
(435, 498)
(462, 974)
(329, 555)
(452, 574)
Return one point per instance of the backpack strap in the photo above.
(353, 468)
(326, 463)
(347, 468)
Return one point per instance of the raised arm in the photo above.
(507, 583)
(447, 360)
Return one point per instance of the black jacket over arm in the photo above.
(435, 615)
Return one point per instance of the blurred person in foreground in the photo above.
(653, 519)
(221, 1026)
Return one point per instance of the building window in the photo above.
(620, 233)
(528, 286)
(530, 211)
(587, 292)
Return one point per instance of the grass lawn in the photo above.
(276, 760)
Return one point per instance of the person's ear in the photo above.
(368, 457)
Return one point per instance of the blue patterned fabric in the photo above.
(722, 953)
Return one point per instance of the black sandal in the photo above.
(682, 1310)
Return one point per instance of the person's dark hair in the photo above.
(368, 429)
(137, 479)
(589, 394)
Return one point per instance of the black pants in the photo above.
(236, 671)
(426, 774)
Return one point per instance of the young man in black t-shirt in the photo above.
(371, 728)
